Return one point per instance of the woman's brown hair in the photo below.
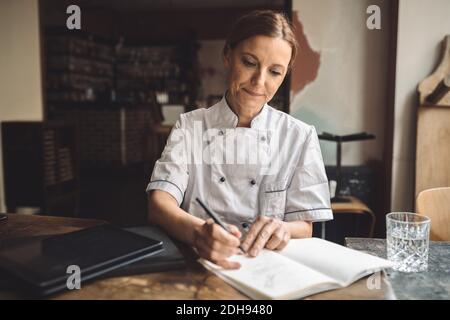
(262, 23)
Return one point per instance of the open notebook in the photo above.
(302, 268)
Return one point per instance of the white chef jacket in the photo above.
(274, 168)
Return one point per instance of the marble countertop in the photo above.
(431, 284)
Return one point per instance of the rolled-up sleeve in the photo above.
(170, 173)
(308, 196)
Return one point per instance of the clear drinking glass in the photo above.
(407, 237)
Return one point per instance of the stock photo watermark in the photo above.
(262, 148)
(74, 280)
(73, 22)
(373, 22)
(374, 281)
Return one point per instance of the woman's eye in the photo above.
(275, 73)
(248, 63)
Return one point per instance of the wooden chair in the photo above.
(435, 204)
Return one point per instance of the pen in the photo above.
(216, 219)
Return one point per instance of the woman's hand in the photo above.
(266, 232)
(215, 244)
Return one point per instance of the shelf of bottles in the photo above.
(81, 69)
(145, 70)
(78, 69)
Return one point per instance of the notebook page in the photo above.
(343, 264)
(273, 276)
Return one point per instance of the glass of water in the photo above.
(407, 237)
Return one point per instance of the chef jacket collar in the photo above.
(226, 118)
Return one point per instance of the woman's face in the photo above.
(256, 68)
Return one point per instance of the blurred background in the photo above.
(85, 113)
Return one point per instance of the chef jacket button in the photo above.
(222, 179)
(253, 182)
(263, 138)
(221, 133)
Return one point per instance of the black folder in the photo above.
(41, 265)
(170, 258)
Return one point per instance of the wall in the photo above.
(422, 25)
(340, 87)
(20, 65)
